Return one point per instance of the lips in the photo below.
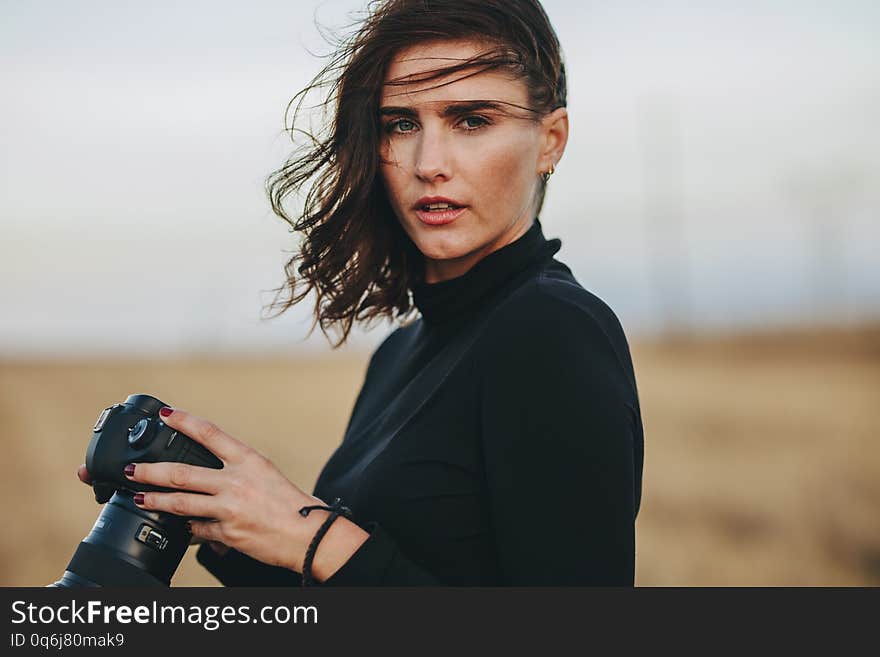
(437, 204)
(438, 210)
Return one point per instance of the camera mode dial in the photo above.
(140, 434)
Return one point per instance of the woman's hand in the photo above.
(83, 474)
(253, 507)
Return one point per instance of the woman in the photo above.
(496, 439)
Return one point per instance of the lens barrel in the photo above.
(128, 547)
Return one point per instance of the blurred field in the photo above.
(762, 462)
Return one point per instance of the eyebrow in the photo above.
(453, 109)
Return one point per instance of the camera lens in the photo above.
(138, 435)
(129, 547)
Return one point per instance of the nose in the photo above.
(433, 159)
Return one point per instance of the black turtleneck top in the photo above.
(521, 464)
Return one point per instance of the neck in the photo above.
(437, 271)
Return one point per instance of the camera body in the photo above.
(130, 546)
(132, 432)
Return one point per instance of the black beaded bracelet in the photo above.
(336, 509)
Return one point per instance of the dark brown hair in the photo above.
(354, 253)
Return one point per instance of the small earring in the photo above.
(546, 175)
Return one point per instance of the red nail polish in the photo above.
(129, 470)
(165, 411)
(139, 498)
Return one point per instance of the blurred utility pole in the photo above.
(659, 134)
(824, 200)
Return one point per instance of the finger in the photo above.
(83, 474)
(206, 530)
(176, 475)
(206, 433)
(180, 504)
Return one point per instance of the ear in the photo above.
(554, 136)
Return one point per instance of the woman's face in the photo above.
(461, 163)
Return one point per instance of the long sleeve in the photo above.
(237, 569)
(562, 442)
(379, 562)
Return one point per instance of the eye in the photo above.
(401, 126)
(471, 123)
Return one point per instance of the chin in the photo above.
(439, 248)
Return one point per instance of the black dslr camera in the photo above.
(130, 546)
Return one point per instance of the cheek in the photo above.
(393, 180)
(502, 167)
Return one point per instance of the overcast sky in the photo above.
(722, 170)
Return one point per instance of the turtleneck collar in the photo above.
(438, 302)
